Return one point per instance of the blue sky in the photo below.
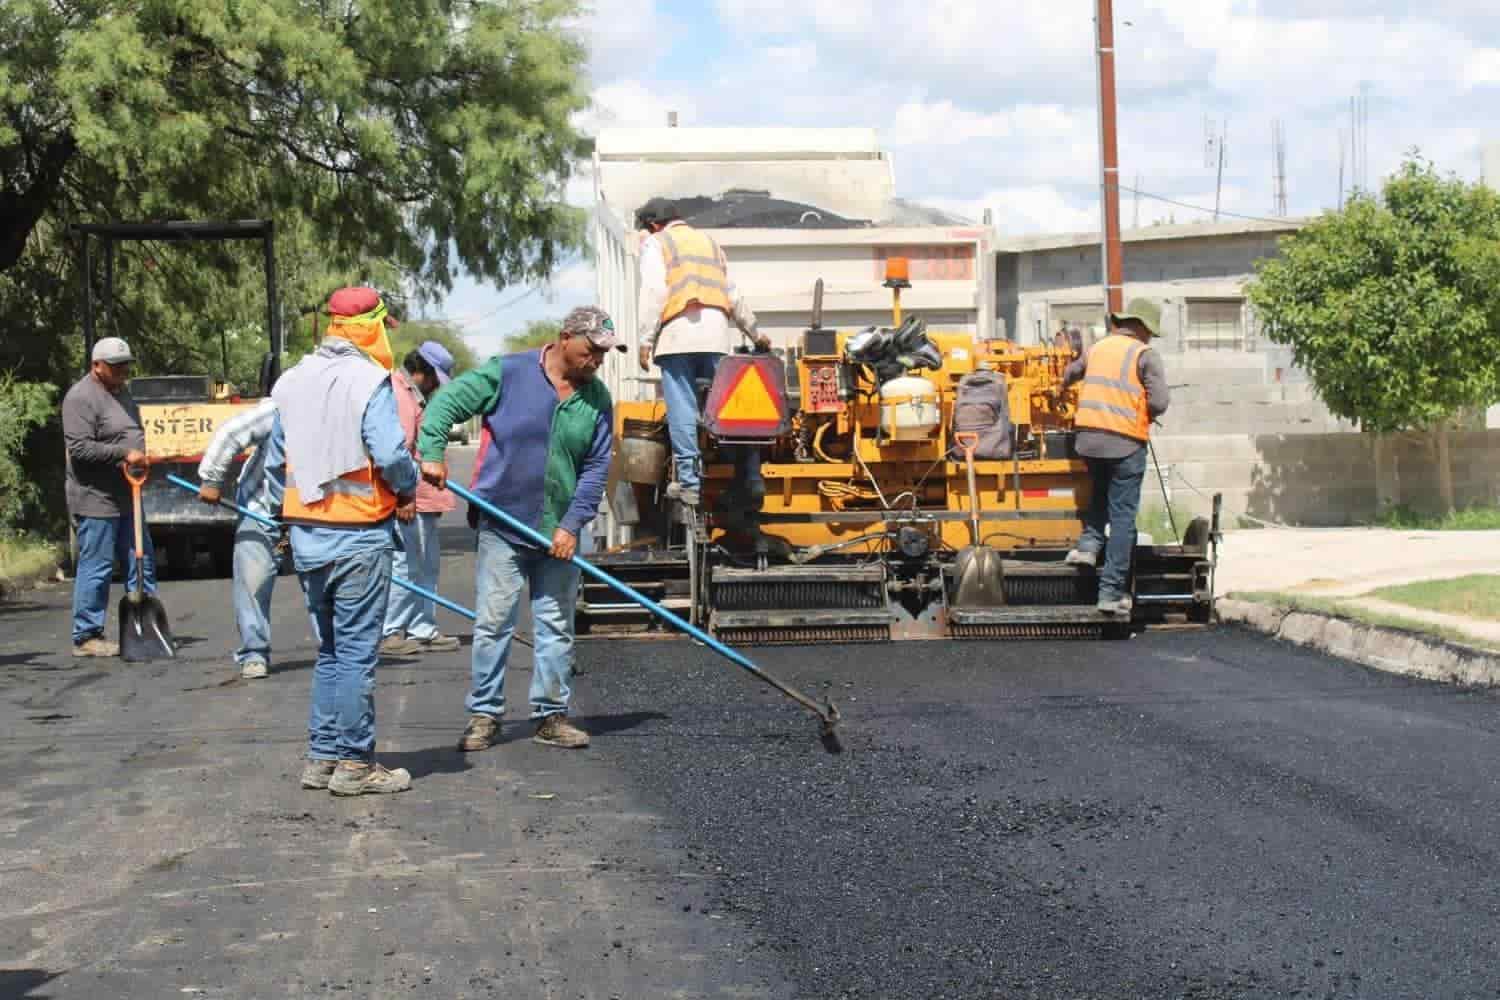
(991, 105)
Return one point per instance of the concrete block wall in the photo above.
(1317, 479)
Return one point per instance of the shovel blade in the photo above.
(980, 577)
(145, 633)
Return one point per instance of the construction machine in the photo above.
(181, 412)
(915, 484)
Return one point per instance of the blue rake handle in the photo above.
(420, 591)
(828, 715)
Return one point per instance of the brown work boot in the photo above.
(96, 647)
(481, 733)
(440, 643)
(556, 731)
(317, 773)
(399, 645)
(353, 777)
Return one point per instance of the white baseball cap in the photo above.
(113, 351)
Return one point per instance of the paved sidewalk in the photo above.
(1348, 563)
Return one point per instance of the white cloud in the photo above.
(1028, 209)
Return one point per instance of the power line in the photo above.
(1199, 208)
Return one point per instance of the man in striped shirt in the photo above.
(255, 558)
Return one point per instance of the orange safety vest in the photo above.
(696, 273)
(355, 498)
(1113, 398)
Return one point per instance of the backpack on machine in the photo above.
(982, 407)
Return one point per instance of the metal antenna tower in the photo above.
(1278, 167)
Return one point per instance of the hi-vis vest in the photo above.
(355, 498)
(696, 273)
(1113, 398)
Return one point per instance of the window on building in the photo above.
(1215, 325)
(1088, 317)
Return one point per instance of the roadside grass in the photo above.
(1469, 519)
(1348, 609)
(1476, 596)
(23, 557)
(1154, 522)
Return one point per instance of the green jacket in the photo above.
(549, 466)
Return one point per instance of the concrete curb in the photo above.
(1396, 651)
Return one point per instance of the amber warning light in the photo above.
(897, 272)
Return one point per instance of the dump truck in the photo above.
(869, 523)
(180, 412)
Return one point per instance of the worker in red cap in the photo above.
(341, 470)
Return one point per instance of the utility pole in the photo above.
(1135, 215)
(1219, 182)
(1109, 159)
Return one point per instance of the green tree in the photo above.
(411, 131)
(1392, 306)
(535, 334)
(392, 142)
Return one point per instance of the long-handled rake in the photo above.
(827, 714)
(275, 525)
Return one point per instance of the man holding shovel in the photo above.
(544, 459)
(341, 470)
(103, 432)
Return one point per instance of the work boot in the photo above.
(399, 645)
(686, 497)
(353, 777)
(316, 773)
(252, 670)
(1078, 557)
(440, 643)
(96, 647)
(556, 731)
(1115, 605)
(481, 733)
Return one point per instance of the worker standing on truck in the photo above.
(340, 468)
(410, 619)
(1124, 389)
(544, 459)
(103, 432)
(687, 304)
(255, 559)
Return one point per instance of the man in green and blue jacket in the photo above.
(544, 459)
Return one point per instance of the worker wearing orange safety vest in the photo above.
(1124, 389)
(340, 468)
(687, 307)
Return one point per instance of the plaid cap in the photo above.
(595, 324)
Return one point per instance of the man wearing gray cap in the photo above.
(103, 432)
(543, 459)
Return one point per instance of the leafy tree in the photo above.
(535, 334)
(397, 129)
(1392, 305)
(392, 142)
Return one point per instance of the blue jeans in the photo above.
(1114, 502)
(346, 599)
(420, 563)
(255, 567)
(679, 373)
(102, 540)
(503, 569)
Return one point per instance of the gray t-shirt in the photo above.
(1103, 444)
(100, 428)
